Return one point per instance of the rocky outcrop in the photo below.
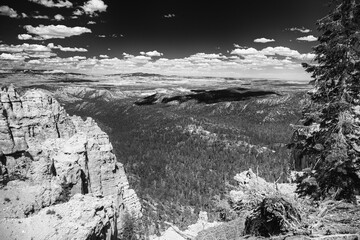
(252, 189)
(49, 157)
(83, 217)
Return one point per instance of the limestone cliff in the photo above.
(47, 157)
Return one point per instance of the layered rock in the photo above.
(56, 156)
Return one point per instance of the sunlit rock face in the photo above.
(50, 156)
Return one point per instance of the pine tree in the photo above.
(332, 144)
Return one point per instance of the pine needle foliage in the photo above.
(333, 148)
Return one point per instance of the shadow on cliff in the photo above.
(207, 96)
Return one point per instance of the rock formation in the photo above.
(252, 189)
(47, 157)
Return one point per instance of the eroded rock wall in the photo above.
(55, 156)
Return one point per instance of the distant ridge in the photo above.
(136, 74)
(208, 96)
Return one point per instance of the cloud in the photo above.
(302, 30)
(206, 56)
(282, 51)
(152, 53)
(55, 31)
(77, 12)
(51, 3)
(246, 51)
(94, 6)
(59, 17)
(309, 38)
(25, 47)
(7, 11)
(271, 51)
(25, 50)
(41, 17)
(308, 56)
(171, 15)
(41, 54)
(70, 49)
(91, 22)
(37, 50)
(34, 61)
(12, 57)
(263, 40)
(24, 36)
(271, 62)
(101, 36)
(66, 49)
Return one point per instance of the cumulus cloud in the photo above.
(152, 53)
(245, 62)
(308, 56)
(36, 50)
(263, 40)
(205, 56)
(244, 51)
(25, 47)
(24, 36)
(171, 15)
(302, 30)
(12, 57)
(271, 51)
(55, 31)
(41, 54)
(59, 17)
(282, 51)
(41, 17)
(93, 6)
(77, 12)
(66, 49)
(309, 38)
(34, 61)
(7, 11)
(51, 3)
(70, 49)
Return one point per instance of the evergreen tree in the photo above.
(331, 119)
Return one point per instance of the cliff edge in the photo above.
(58, 175)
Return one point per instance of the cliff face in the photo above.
(47, 157)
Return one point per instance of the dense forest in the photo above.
(182, 158)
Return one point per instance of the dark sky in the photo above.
(136, 34)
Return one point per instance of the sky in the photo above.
(244, 38)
